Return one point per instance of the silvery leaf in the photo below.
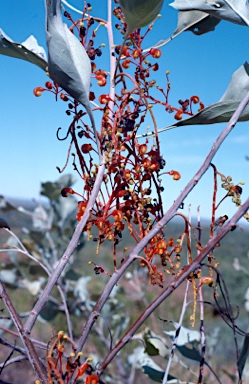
(65, 208)
(31, 44)
(185, 336)
(139, 13)
(33, 287)
(140, 359)
(40, 219)
(155, 345)
(235, 11)
(81, 290)
(29, 50)
(223, 110)
(68, 63)
(9, 276)
(195, 21)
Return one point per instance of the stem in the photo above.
(38, 367)
(178, 330)
(62, 294)
(166, 218)
(111, 50)
(67, 254)
(184, 307)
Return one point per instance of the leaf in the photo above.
(231, 10)
(33, 287)
(139, 359)
(29, 50)
(191, 353)
(81, 290)
(72, 275)
(40, 219)
(5, 206)
(223, 110)
(157, 376)
(195, 21)
(65, 208)
(185, 336)
(48, 312)
(66, 180)
(68, 63)
(243, 355)
(239, 84)
(51, 190)
(139, 13)
(154, 344)
(9, 276)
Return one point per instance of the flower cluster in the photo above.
(68, 368)
(131, 196)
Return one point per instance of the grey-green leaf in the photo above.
(28, 50)
(157, 376)
(53, 189)
(231, 10)
(185, 336)
(155, 345)
(48, 312)
(68, 63)
(195, 21)
(139, 13)
(5, 205)
(139, 359)
(223, 110)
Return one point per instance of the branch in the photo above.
(166, 218)
(16, 359)
(34, 313)
(38, 367)
(174, 285)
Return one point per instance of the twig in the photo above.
(13, 360)
(179, 325)
(38, 367)
(26, 253)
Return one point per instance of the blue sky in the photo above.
(199, 65)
